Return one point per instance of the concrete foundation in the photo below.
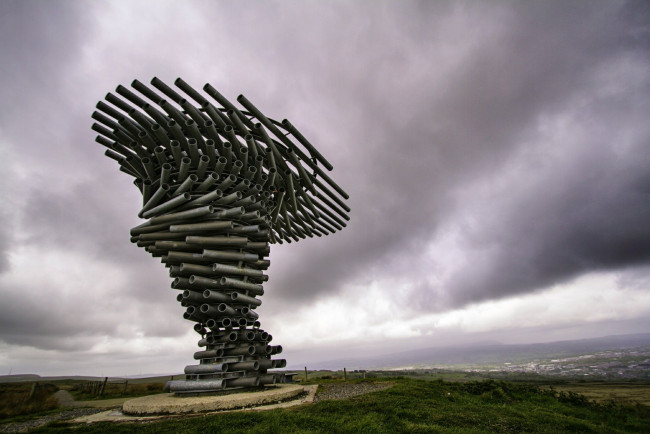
(169, 403)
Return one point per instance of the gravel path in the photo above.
(347, 390)
(35, 423)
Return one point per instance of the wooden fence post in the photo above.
(33, 391)
(103, 386)
(305, 373)
(345, 375)
(126, 383)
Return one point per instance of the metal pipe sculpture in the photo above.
(218, 184)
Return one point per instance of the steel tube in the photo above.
(244, 366)
(232, 212)
(230, 199)
(188, 257)
(180, 386)
(161, 86)
(193, 149)
(303, 141)
(143, 89)
(221, 163)
(166, 206)
(207, 368)
(215, 296)
(247, 350)
(196, 269)
(209, 354)
(216, 241)
(180, 246)
(230, 256)
(267, 379)
(244, 299)
(182, 215)
(239, 271)
(220, 338)
(207, 182)
(186, 185)
(219, 225)
(213, 196)
(243, 382)
(228, 282)
(181, 84)
(193, 296)
(184, 168)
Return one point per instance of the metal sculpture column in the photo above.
(219, 184)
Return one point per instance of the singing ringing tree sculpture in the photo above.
(219, 184)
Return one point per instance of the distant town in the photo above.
(621, 364)
(632, 363)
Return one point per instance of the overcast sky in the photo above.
(496, 153)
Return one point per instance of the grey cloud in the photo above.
(414, 148)
(40, 42)
(590, 216)
(51, 318)
(411, 102)
(6, 241)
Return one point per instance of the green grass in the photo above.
(15, 399)
(419, 406)
(623, 393)
(115, 390)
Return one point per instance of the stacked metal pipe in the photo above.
(219, 183)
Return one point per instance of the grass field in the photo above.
(115, 390)
(420, 406)
(623, 393)
(18, 402)
(16, 399)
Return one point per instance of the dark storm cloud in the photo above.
(411, 102)
(79, 321)
(5, 242)
(422, 134)
(64, 200)
(38, 41)
(588, 214)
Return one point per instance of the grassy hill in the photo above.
(419, 406)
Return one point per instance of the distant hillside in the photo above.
(19, 377)
(153, 378)
(489, 354)
(34, 377)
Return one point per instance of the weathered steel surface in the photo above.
(219, 184)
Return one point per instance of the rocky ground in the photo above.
(347, 390)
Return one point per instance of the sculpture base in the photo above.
(169, 403)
